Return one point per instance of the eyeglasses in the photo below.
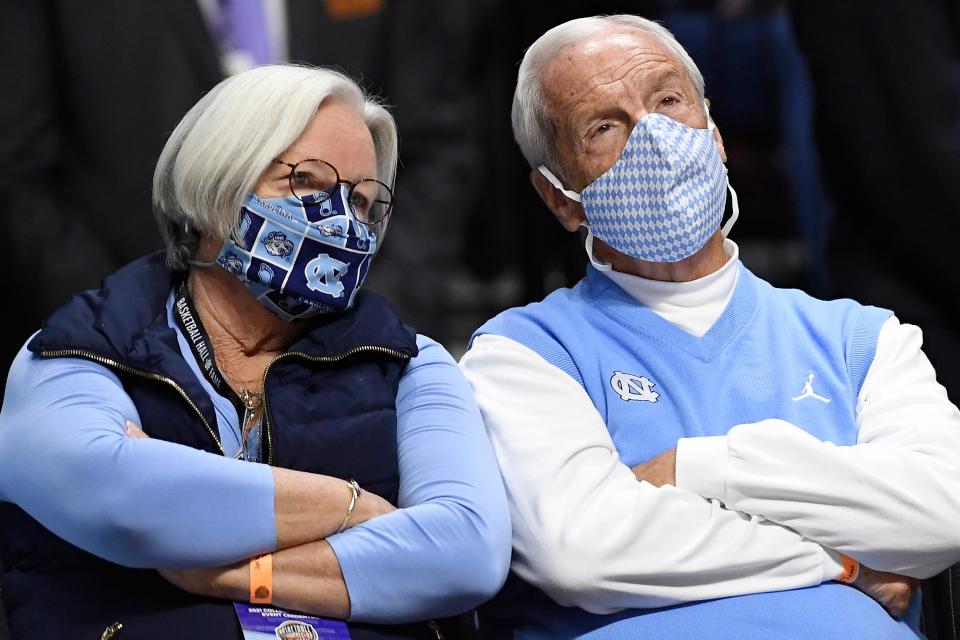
(370, 200)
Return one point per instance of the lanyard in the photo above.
(189, 321)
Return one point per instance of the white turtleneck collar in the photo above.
(693, 306)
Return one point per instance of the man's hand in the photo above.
(660, 470)
(891, 590)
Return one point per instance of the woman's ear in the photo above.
(568, 212)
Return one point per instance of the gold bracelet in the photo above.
(355, 492)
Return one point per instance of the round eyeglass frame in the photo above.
(387, 210)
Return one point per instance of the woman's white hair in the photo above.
(225, 142)
(532, 127)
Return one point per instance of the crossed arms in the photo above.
(765, 508)
(67, 461)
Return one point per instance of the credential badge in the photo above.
(631, 387)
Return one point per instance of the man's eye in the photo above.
(668, 101)
(300, 178)
(603, 128)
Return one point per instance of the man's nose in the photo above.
(637, 114)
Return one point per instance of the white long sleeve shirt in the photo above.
(588, 534)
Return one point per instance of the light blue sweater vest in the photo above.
(653, 383)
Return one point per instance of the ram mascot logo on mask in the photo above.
(277, 244)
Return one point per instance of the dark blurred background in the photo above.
(840, 120)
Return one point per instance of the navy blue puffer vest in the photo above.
(315, 421)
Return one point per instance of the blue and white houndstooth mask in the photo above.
(664, 197)
(300, 259)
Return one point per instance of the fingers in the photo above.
(893, 592)
(134, 431)
(900, 599)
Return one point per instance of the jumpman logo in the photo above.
(808, 392)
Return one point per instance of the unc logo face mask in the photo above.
(663, 198)
(300, 259)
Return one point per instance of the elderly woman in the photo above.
(300, 447)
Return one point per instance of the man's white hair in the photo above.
(228, 139)
(532, 127)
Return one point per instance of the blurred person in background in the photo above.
(239, 396)
(891, 157)
(688, 451)
(887, 80)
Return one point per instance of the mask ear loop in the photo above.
(588, 245)
(735, 205)
(197, 263)
(573, 195)
(552, 179)
(706, 109)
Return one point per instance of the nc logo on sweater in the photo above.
(631, 387)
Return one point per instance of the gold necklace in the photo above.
(252, 417)
(250, 399)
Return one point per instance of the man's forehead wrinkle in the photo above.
(642, 62)
(638, 61)
(603, 64)
(605, 79)
(573, 60)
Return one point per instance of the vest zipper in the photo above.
(113, 364)
(320, 359)
(149, 375)
(112, 631)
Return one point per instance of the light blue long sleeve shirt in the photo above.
(66, 460)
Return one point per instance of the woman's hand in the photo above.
(306, 578)
(134, 431)
(229, 583)
(369, 505)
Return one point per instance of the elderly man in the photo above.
(688, 451)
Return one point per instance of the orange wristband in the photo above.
(851, 569)
(261, 579)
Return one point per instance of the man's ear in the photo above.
(719, 139)
(716, 130)
(568, 212)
